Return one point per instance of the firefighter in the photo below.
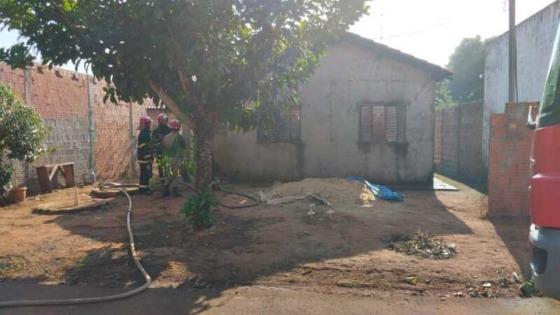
(158, 134)
(174, 147)
(144, 154)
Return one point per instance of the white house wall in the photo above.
(348, 74)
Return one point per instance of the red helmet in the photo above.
(174, 124)
(145, 122)
(162, 119)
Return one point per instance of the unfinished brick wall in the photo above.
(61, 98)
(458, 143)
(508, 161)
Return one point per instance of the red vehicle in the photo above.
(545, 184)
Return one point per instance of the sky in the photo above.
(432, 29)
(427, 29)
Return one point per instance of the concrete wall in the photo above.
(61, 99)
(509, 156)
(458, 143)
(348, 75)
(535, 38)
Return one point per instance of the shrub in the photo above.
(21, 133)
(198, 210)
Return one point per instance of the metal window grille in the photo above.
(382, 123)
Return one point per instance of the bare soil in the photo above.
(269, 245)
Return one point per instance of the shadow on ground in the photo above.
(244, 247)
(152, 301)
(245, 244)
(514, 232)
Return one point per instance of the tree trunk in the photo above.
(203, 157)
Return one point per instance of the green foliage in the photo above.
(6, 170)
(198, 209)
(443, 96)
(467, 64)
(210, 62)
(21, 133)
(527, 289)
(221, 54)
(21, 128)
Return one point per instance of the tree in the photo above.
(467, 65)
(21, 134)
(443, 97)
(210, 62)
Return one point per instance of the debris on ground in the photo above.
(337, 191)
(423, 245)
(411, 280)
(485, 290)
(380, 191)
(489, 289)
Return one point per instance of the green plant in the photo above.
(211, 63)
(21, 134)
(527, 289)
(6, 170)
(199, 209)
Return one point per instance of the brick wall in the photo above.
(458, 143)
(61, 98)
(508, 161)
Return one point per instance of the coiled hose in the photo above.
(100, 299)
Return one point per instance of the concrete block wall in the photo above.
(438, 139)
(60, 97)
(449, 138)
(471, 165)
(67, 104)
(535, 41)
(508, 163)
(458, 143)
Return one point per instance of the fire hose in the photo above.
(256, 201)
(100, 299)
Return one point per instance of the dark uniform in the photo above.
(145, 159)
(158, 134)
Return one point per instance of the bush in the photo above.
(21, 133)
(198, 210)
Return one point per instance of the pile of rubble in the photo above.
(338, 191)
(423, 245)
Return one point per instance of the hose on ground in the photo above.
(100, 299)
(255, 203)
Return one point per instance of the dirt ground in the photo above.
(280, 246)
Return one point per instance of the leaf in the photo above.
(69, 5)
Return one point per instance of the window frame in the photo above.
(400, 123)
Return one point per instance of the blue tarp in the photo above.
(380, 191)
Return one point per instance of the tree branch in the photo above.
(179, 60)
(170, 103)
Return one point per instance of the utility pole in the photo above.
(512, 54)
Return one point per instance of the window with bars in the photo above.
(286, 129)
(382, 123)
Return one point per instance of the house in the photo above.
(367, 111)
(535, 39)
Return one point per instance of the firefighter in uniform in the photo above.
(144, 154)
(174, 147)
(158, 134)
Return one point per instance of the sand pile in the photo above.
(335, 190)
